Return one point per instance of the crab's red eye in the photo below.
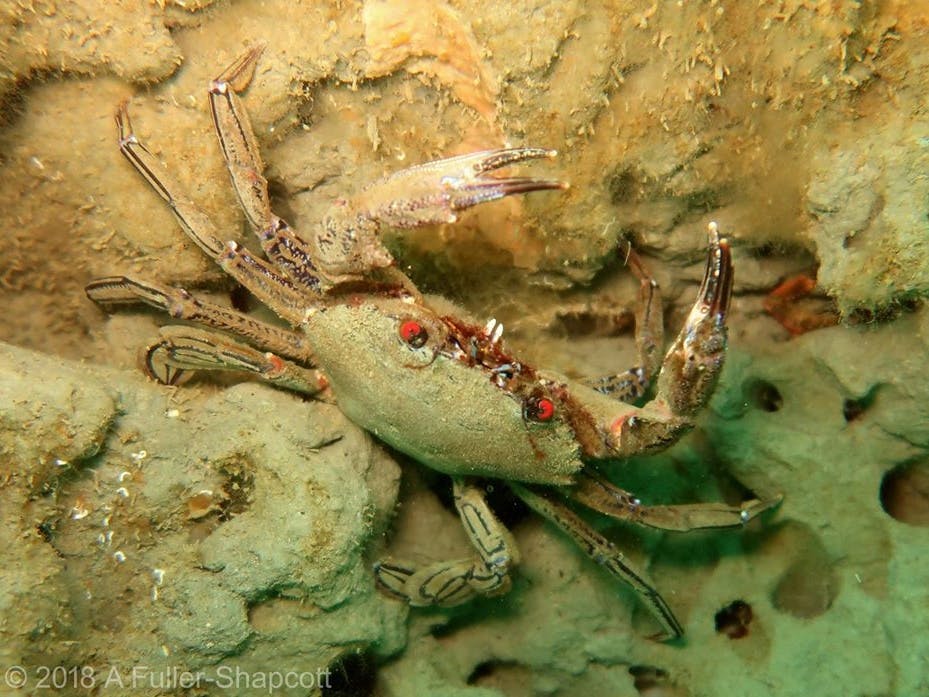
(413, 333)
(539, 409)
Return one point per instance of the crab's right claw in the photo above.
(693, 363)
(437, 191)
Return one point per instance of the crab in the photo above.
(444, 391)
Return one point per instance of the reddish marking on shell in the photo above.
(616, 428)
(479, 350)
(277, 365)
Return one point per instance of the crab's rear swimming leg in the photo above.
(115, 291)
(182, 349)
(450, 583)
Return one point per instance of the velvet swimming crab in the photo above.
(444, 391)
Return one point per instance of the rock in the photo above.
(269, 569)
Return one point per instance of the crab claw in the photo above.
(437, 191)
(693, 363)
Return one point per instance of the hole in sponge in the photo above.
(650, 681)
(734, 619)
(807, 589)
(761, 394)
(354, 675)
(509, 677)
(905, 493)
(853, 409)
(809, 585)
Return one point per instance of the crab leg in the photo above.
(694, 361)
(237, 139)
(630, 385)
(243, 160)
(454, 582)
(348, 243)
(604, 552)
(435, 192)
(273, 289)
(308, 267)
(194, 221)
(122, 290)
(258, 276)
(601, 495)
(184, 348)
(690, 367)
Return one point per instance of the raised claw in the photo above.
(716, 289)
(693, 363)
(436, 191)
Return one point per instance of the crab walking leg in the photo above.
(338, 251)
(122, 290)
(604, 552)
(628, 386)
(194, 221)
(243, 160)
(603, 496)
(690, 367)
(265, 283)
(237, 139)
(258, 276)
(183, 348)
(454, 582)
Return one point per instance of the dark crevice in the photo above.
(734, 619)
(649, 680)
(354, 675)
(853, 409)
(763, 395)
(484, 670)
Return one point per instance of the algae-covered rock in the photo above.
(869, 206)
(85, 37)
(226, 532)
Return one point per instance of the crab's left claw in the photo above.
(437, 191)
(694, 361)
(690, 368)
